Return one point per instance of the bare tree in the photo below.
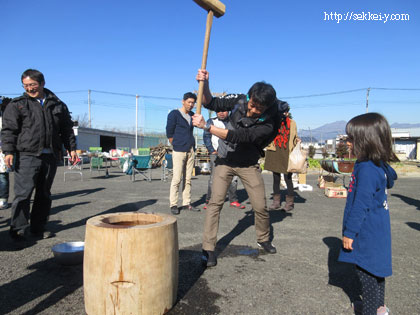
(83, 121)
(312, 151)
(341, 150)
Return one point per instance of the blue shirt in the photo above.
(181, 131)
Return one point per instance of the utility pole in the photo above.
(310, 132)
(169, 142)
(137, 118)
(367, 100)
(90, 120)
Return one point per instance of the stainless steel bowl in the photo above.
(205, 168)
(69, 253)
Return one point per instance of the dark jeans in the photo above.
(233, 185)
(32, 172)
(4, 186)
(287, 179)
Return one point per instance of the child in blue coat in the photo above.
(366, 221)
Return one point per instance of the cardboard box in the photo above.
(302, 179)
(322, 179)
(336, 192)
(332, 184)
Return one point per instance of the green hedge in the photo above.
(313, 163)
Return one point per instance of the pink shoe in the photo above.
(383, 310)
(237, 205)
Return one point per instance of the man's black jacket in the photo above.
(247, 137)
(29, 127)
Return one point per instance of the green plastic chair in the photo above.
(95, 149)
(96, 163)
(143, 167)
(143, 151)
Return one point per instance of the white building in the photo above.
(406, 143)
(107, 140)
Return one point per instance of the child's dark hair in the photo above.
(371, 137)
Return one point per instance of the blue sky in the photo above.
(154, 48)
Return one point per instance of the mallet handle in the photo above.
(204, 60)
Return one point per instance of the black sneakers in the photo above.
(268, 247)
(26, 234)
(42, 234)
(209, 258)
(190, 208)
(175, 210)
(18, 235)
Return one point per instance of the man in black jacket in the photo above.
(253, 124)
(35, 126)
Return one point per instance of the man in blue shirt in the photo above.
(179, 130)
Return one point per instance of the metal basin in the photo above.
(69, 253)
(205, 168)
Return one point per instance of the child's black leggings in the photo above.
(373, 291)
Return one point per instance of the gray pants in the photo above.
(32, 172)
(232, 188)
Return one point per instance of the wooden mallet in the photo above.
(216, 8)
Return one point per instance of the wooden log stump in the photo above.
(130, 263)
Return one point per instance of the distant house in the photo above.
(308, 141)
(406, 143)
(330, 145)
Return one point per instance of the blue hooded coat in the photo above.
(366, 218)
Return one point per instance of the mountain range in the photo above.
(331, 130)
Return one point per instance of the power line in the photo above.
(322, 105)
(76, 91)
(141, 96)
(283, 97)
(322, 94)
(396, 89)
(114, 93)
(407, 103)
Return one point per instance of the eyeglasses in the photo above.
(31, 85)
